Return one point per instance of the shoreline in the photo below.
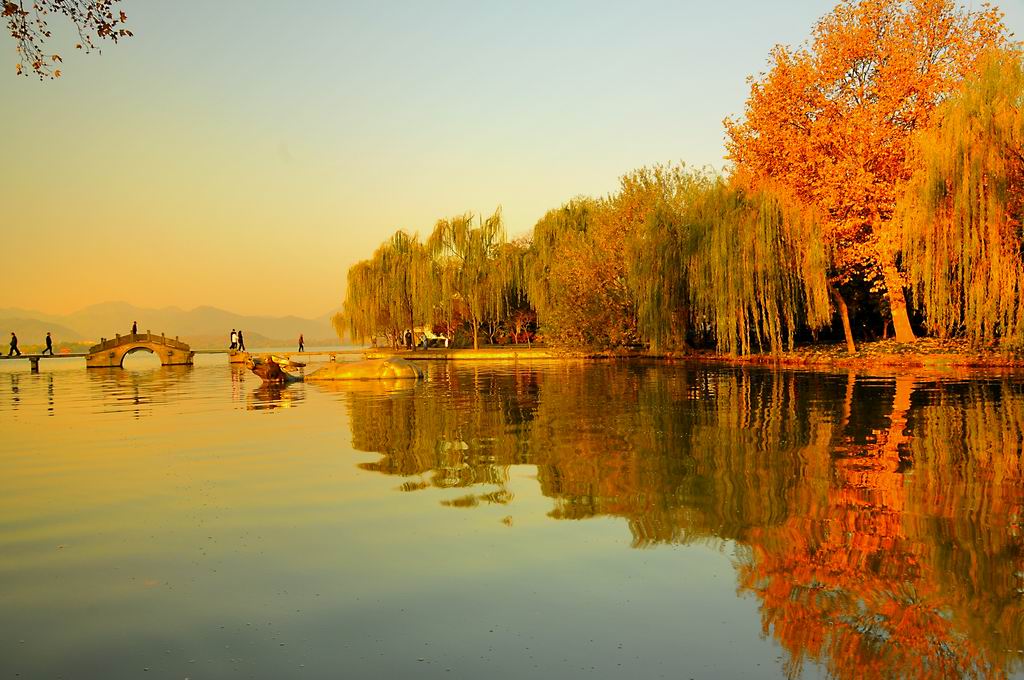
(926, 353)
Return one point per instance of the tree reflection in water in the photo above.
(878, 519)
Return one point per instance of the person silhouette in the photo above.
(14, 345)
(49, 345)
(135, 327)
(234, 339)
(241, 341)
(301, 344)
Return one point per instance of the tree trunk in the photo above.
(476, 331)
(897, 303)
(681, 329)
(844, 314)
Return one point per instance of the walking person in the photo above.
(49, 345)
(234, 339)
(302, 346)
(241, 341)
(14, 346)
(135, 327)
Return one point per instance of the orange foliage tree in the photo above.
(833, 121)
(962, 214)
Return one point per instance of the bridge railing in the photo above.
(132, 338)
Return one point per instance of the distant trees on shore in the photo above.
(467, 275)
(876, 183)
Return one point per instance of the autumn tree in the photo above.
(580, 261)
(963, 212)
(508, 276)
(559, 281)
(28, 24)
(391, 291)
(832, 121)
(756, 272)
(474, 265)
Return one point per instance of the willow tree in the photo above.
(963, 212)
(582, 255)
(508, 276)
(756, 269)
(361, 313)
(391, 291)
(470, 267)
(554, 274)
(832, 122)
(659, 255)
(657, 278)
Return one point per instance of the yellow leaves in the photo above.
(833, 122)
(28, 25)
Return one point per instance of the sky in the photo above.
(246, 155)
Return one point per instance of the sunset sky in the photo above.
(245, 156)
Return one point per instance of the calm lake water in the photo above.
(510, 521)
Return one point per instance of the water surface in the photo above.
(510, 520)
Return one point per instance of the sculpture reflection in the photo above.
(271, 396)
(879, 520)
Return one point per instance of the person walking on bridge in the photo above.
(49, 345)
(234, 339)
(301, 344)
(14, 346)
(135, 327)
(241, 341)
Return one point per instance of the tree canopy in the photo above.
(963, 211)
(885, 155)
(832, 121)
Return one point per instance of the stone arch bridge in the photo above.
(111, 353)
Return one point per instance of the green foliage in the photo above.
(563, 269)
(659, 256)
(962, 213)
(464, 270)
(756, 269)
(678, 254)
(579, 265)
(477, 266)
(389, 292)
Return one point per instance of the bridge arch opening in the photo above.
(140, 359)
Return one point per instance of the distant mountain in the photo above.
(201, 327)
(33, 331)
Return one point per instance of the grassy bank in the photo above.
(924, 353)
